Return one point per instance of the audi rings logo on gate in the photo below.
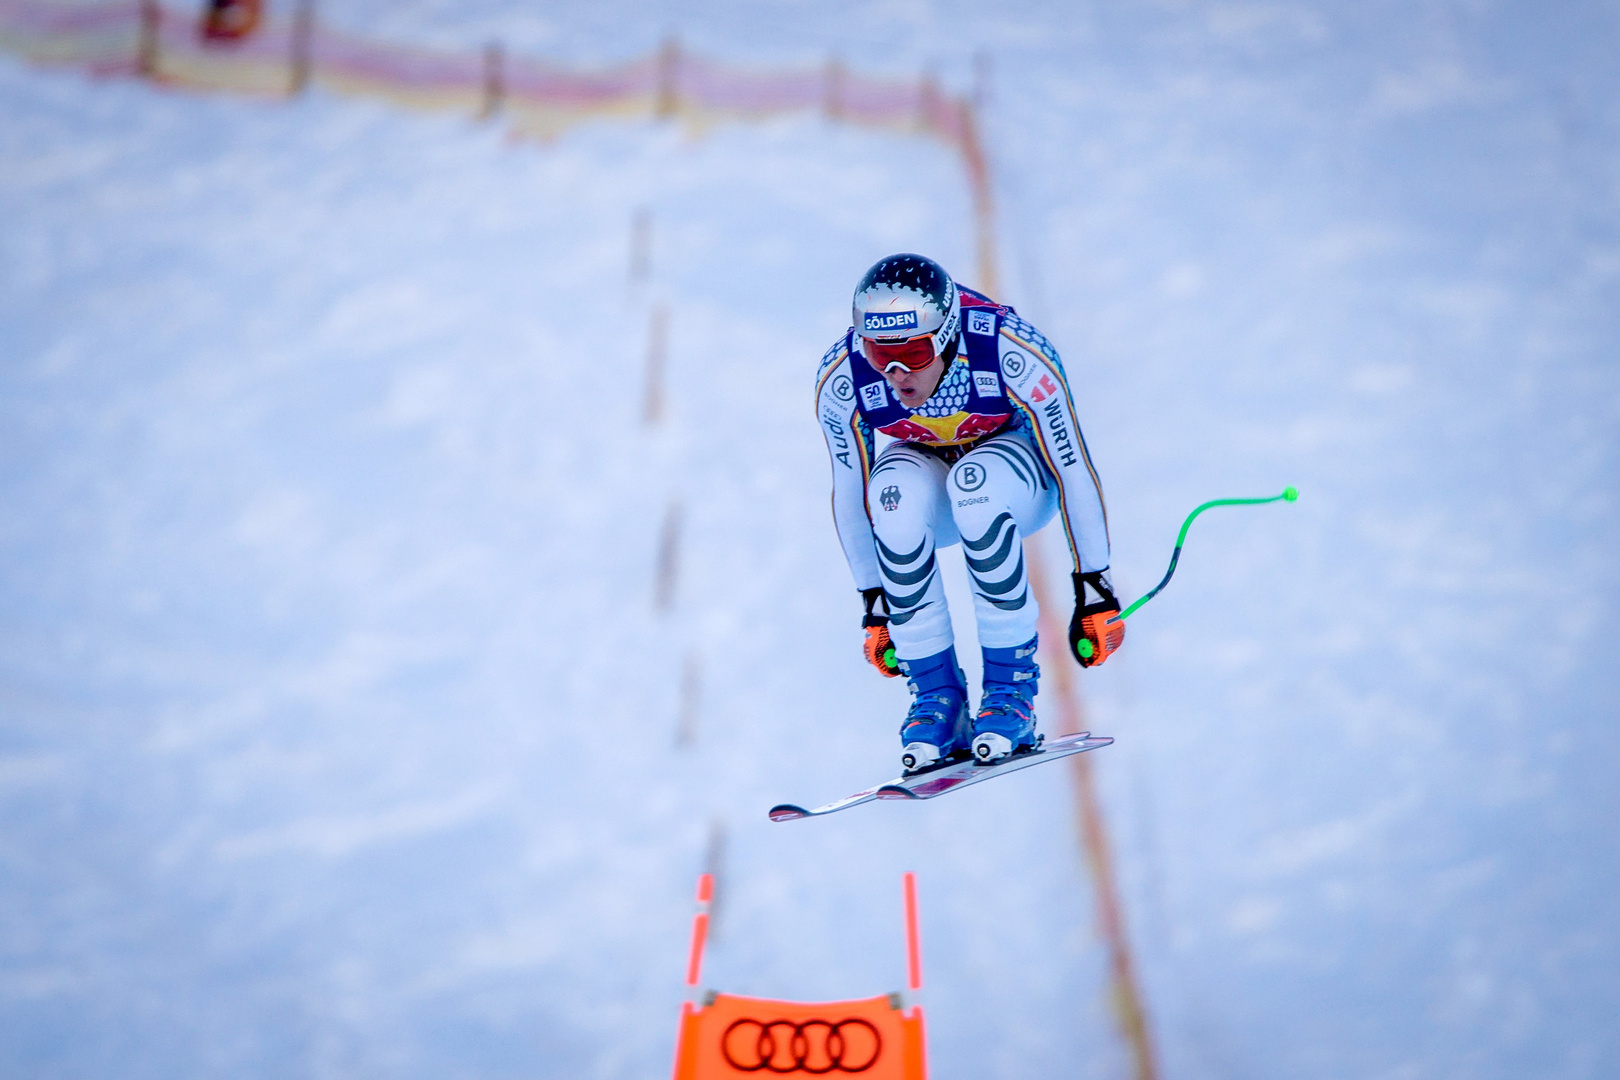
(969, 476)
(852, 1045)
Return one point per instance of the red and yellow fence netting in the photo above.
(285, 55)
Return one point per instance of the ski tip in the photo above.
(788, 812)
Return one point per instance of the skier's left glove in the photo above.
(1092, 638)
(878, 648)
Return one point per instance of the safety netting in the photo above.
(285, 55)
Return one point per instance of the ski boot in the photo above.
(1006, 721)
(937, 727)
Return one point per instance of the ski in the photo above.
(789, 812)
(934, 783)
(952, 776)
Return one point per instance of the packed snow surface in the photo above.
(342, 736)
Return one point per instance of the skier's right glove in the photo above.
(1092, 638)
(879, 649)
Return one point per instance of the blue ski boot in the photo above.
(1006, 721)
(937, 727)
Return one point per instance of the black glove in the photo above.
(1092, 638)
(878, 648)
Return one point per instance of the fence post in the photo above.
(669, 558)
(832, 101)
(146, 44)
(652, 409)
(669, 74)
(494, 81)
(640, 245)
(303, 33)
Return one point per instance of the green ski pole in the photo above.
(1289, 494)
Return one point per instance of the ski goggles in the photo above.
(913, 354)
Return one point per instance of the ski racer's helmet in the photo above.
(907, 312)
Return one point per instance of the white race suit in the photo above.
(993, 455)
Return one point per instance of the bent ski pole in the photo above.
(1289, 495)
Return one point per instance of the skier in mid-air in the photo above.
(985, 450)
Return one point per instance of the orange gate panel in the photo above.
(738, 1037)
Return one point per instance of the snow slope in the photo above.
(339, 727)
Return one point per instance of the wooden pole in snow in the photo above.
(146, 41)
(494, 81)
(303, 44)
(652, 406)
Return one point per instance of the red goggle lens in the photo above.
(913, 354)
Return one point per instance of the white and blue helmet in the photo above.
(904, 297)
